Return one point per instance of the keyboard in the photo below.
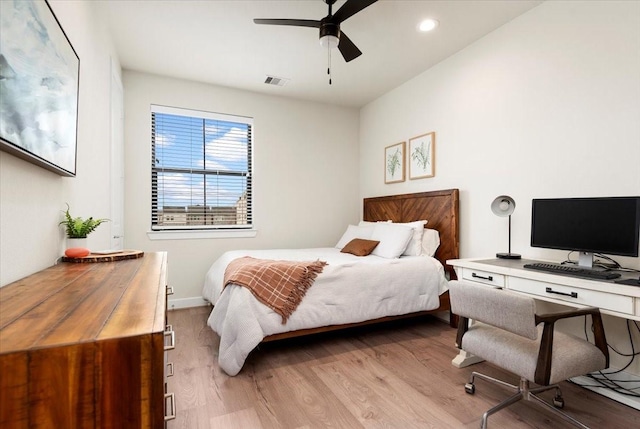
(573, 271)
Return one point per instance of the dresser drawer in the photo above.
(574, 295)
(485, 277)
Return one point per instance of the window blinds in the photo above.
(200, 170)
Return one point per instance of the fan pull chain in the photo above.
(329, 63)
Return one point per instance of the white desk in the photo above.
(612, 298)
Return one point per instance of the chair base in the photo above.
(523, 391)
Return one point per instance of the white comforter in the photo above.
(350, 289)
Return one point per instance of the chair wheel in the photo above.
(470, 388)
(558, 402)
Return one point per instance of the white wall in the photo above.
(305, 182)
(32, 199)
(546, 106)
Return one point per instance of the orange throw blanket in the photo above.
(280, 285)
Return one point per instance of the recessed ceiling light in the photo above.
(428, 25)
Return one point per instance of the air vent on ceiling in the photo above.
(277, 81)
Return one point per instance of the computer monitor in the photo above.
(607, 225)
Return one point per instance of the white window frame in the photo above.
(178, 232)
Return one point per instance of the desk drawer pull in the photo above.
(173, 406)
(572, 294)
(475, 276)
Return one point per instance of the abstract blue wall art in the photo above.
(39, 81)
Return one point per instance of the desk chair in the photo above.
(509, 337)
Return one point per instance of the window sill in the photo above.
(195, 235)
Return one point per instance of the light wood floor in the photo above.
(393, 376)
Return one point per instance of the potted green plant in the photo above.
(77, 228)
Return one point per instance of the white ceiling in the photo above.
(216, 41)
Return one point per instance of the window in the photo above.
(200, 170)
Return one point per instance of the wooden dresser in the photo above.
(83, 346)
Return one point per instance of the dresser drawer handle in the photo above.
(169, 290)
(572, 294)
(172, 340)
(173, 406)
(170, 369)
(475, 276)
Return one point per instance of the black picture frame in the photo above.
(39, 87)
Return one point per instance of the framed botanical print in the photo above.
(422, 151)
(394, 156)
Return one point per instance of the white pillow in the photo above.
(414, 248)
(366, 222)
(393, 239)
(430, 242)
(354, 231)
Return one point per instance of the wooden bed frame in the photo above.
(440, 209)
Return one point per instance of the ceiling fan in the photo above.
(330, 34)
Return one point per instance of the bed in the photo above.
(351, 290)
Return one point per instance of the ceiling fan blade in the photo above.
(348, 49)
(350, 8)
(293, 22)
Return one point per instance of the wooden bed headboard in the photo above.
(439, 208)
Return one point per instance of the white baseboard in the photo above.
(196, 301)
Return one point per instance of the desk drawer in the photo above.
(591, 298)
(485, 277)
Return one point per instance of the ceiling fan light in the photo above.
(329, 41)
